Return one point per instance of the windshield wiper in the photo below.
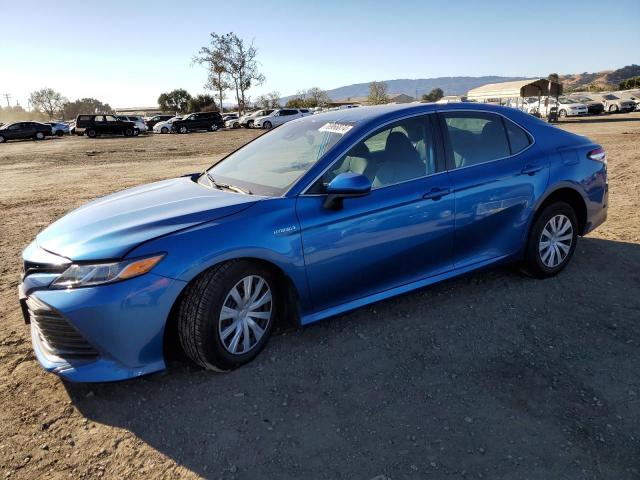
(227, 186)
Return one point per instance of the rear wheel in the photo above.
(227, 315)
(213, 127)
(59, 133)
(128, 132)
(2, 139)
(267, 125)
(183, 129)
(39, 136)
(613, 109)
(249, 124)
(562, 113)
(552, 240)
(91, 133)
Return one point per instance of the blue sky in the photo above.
(128, 52)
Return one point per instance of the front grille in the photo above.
(57, 336)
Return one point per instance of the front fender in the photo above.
(268, 231)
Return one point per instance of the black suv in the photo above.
(17, 130)
(211, 121)
(94, 125)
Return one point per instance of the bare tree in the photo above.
(377, 93)
(216, 57)
(243, 68)
(48, 101)
(273, 99)
(317, 97)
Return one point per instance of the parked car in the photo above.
(24, 130)
(139, 122)
(231, 121)
(59, 128)
(566, 107)
(277, 117)
(594, 107)
(94, 125)
(246, 121)
(230, 116)
(614, 104)
(166, 126)
(211, 121)
(323, 215)
(151, 122)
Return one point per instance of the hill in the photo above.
(605, 80)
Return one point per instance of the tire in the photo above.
(91, 133)
(183, 129)
(128, 132)
(267, 125)
(59, 133)
(556, 220)
(202, 324)
(249, 124)
(562, 113)
(236, 125)
(613, 109)
(164, 130)
(2, 139)
(213, 127)
(38, 136)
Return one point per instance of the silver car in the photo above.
(615, 104)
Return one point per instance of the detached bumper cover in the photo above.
(122, 323)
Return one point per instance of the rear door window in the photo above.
(475, 138)
(518, 138)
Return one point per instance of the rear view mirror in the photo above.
(346, 185)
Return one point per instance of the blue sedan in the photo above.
(320, 216)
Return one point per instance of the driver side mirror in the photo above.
(346, 185)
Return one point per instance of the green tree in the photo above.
(201, 103)
(71, 110)
(377, 93)
(47, 101)
(174, 101)
(433, 96)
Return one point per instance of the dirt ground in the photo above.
(493, 375)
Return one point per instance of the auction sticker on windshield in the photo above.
(335, 127)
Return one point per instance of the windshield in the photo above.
(566, 101)
(273, 162)
(610, 97)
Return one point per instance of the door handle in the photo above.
(531, 169)
(436, 193)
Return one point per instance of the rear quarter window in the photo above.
(518, 138)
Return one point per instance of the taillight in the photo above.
(598, 155)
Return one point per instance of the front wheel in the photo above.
(2, 139)
(39, 136)
(227, 315)
(164, 130)
(249, 124)
(613, 109)
(213, 128)
(59, 133)
(91, 133)
(128, 132)
(562, 113)
(267, 125)
(183, 129)
(552, 240)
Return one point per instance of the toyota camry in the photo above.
(322, 215)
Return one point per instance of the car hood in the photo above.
(111, 226)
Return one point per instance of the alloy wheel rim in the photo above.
(245, 315)
(555, 241)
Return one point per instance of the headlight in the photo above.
(87, 275)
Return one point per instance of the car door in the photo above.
(13, 131)
(27, 130)
(497, 176)
(399, 233)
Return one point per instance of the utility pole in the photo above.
(7, 97)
